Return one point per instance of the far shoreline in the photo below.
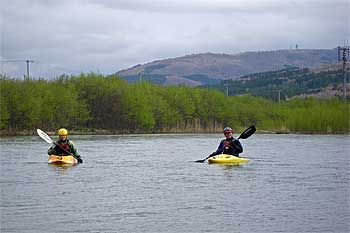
(6, 133)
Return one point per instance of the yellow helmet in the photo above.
(62, 132)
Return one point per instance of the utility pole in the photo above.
(226, 85)
(344, 53)
(27, 61)
(279, 96)
(140, 76)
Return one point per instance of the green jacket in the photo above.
(56, 150)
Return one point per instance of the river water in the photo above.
(149, 183)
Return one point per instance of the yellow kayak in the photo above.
(227, 159)
(58, 159)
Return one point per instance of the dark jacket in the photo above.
(68, 145)
(230, 146)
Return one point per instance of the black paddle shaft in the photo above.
(61, 148)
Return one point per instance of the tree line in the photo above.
(92, 102)
(290, 82)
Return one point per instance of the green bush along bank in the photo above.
(91, 102)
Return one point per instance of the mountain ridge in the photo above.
(205, 68)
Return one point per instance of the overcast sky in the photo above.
(105, 36)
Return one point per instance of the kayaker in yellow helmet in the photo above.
(64, 145)
(229, 145)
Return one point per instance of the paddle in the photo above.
(246, 134)
(47, 139)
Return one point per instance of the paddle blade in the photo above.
(200, 161)
(248, 132)
(44, 136)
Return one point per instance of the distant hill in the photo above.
(322, 81)
(210, 68)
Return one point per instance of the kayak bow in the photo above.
(66, 159)
(227, 159)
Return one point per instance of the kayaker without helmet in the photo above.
(229, 145)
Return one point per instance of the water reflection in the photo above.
(61, 169)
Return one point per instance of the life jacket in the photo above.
(64, 146)
(227, 149)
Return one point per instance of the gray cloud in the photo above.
(106, 36)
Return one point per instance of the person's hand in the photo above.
(79, 159)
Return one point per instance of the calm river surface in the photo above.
(149, 183)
